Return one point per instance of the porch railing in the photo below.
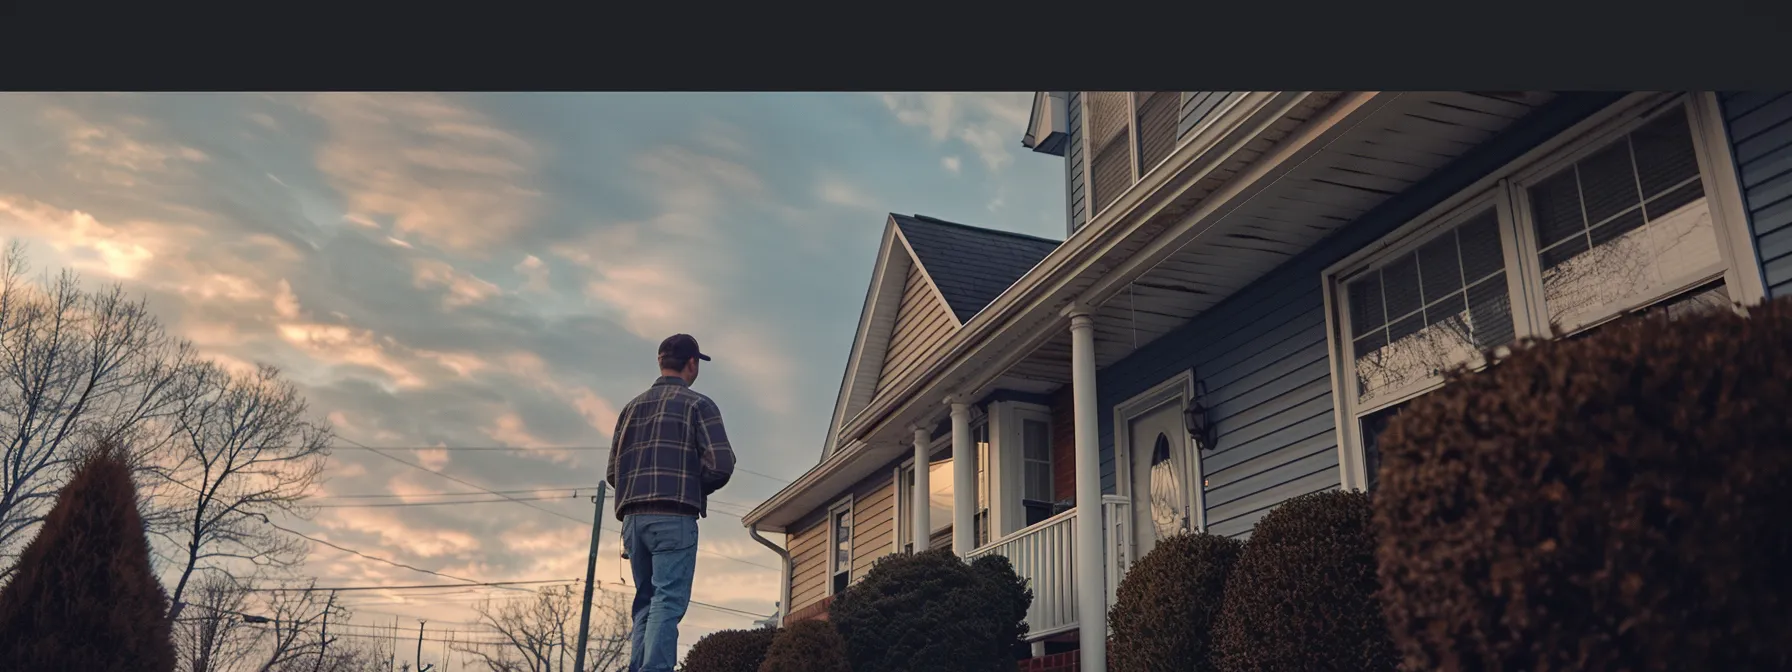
(1044, 555)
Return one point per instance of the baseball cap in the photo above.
(681, 346)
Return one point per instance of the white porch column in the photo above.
(923, 489)
(964, 481)
(1091, 591)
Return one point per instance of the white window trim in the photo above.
(1007, 463)
(1179, 389)
(1711, 137)
(1505, 189)
(844, 504)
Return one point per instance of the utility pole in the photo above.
(392, 656)
(597, 528)
(324, 634)
(420, 667)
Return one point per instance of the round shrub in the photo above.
(1615, 501)
(1163, 614)
(1005, 588)
(1303, 596)
(930, 611)
(807, 646)
(730, 651)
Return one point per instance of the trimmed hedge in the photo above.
(1615, 501)
(1303, 596)
(931, 611)
(1006, 588)
(1163, 614)
(807, 646)
(729, 651)
(82, 596)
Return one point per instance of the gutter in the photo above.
(784, 580)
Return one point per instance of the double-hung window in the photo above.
(839, 547)
(1035, 453)
(1615, 222)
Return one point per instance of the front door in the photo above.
(1161, 476)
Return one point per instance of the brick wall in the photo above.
(817, 611)
(1069, 661)
(1063, 446)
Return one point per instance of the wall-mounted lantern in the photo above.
(1197, 419)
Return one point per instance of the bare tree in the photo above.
(242, 449)
(540, 632)
(76, 367)
(345, 654)
(216, 635)
(295, 629)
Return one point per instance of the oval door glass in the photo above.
(1166, 490)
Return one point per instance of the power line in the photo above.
(601, 586)
(532, 506)
(389, 495)
(467, 483)
(291, 589)
(524, 449)
(437, 503)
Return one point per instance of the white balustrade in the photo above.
(1043, 555)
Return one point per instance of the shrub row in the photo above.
(1611, 501)
(1299, 596)
(927, 611)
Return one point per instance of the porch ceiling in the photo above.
(1388, 151)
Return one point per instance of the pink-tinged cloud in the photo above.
(444, 174)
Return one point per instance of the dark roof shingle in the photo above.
(971, 266)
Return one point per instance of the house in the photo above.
(1250, 286)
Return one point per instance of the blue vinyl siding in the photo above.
(1262, 352)
(1760, 130)
(1073, 163)
(1196, 106)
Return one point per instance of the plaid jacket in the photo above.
(669, 451)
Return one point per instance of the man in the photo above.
(669, 452)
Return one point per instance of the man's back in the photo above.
(669, 451)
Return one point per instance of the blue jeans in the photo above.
(662, 551)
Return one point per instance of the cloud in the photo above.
(444, 173)
(459, 288)
(395, 532)
(836, 191)
(985, 123)
(115, 153)
(951, 164)
(535, 274)
(722, 136)
(119, 251)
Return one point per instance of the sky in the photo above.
(494, 270)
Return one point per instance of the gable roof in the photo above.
(968, 267)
